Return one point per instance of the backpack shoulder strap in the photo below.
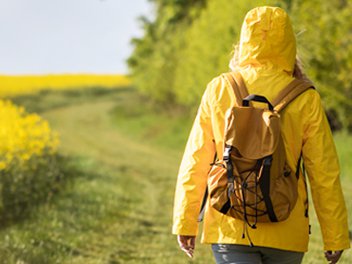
(290, 92)
(236, 82)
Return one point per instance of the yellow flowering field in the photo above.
(28, 165)
(23, 84)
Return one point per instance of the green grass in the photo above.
(46, 100)
(116, 205)
(151, 123)
(344, 146)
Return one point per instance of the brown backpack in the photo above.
(253, 182)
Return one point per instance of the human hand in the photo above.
(187, 244)
(333, 256)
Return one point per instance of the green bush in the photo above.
(24, 185)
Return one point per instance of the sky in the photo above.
(68, 36)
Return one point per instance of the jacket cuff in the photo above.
(189, 228)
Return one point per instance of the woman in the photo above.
(266, 61)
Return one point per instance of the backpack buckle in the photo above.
(227, 153)
(267, 161)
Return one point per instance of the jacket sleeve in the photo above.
(194, 168)
(321, 162)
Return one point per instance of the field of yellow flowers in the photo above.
(19, 85)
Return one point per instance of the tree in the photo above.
(191, 40)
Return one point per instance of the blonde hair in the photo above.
(298, 70)
(234, 61)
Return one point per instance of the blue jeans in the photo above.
(239, 254)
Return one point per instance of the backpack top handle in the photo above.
(285, 96)
(257, 98)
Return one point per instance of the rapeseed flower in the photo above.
(23, 135)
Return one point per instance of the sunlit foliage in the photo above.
(176, 58)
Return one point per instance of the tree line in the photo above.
(190, 41)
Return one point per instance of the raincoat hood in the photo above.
(267, 40)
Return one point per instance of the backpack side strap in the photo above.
(290, 92)
(236, 82)
(240, 83)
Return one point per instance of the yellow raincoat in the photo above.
(266, 60)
